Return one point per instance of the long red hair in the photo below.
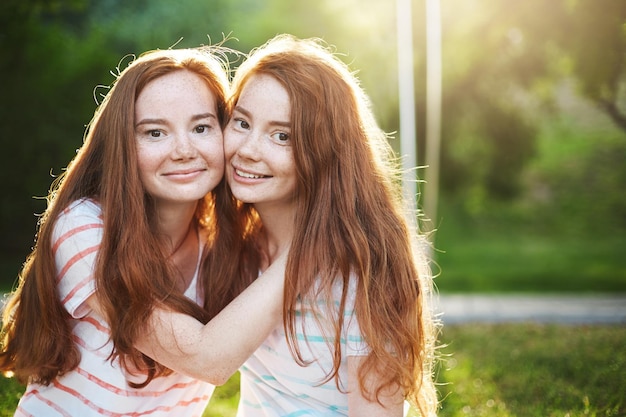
(132, 273)
(351, 218)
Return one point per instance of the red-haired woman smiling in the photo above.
(303, 151)
(138, 231)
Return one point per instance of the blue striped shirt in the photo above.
(274, 384)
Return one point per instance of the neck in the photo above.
(279, 228)
(176, 224)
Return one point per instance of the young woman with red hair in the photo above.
(304, 152)
(126, 278)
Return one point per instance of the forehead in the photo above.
(264, 95)
(176, 91)
(173, 81)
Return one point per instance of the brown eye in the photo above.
(242, 124)
(280, 138)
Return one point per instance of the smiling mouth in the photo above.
(249, 175)
(185, 173)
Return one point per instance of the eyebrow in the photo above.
(194, 118)
(272, 122)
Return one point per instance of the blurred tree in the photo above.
(595, 41)
(43, 118)
(362, 31)
(489, 63)
(503, 62)
(55, 54)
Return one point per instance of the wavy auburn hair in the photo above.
(132, 273)
(351, 218)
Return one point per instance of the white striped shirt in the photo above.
(272, 382)
(98, 387)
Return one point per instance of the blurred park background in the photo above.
(533, 142)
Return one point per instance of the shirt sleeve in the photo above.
(75, 242)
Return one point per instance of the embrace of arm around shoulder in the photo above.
(213, 352)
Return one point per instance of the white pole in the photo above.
(406, 96)
(433, 108)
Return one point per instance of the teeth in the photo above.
(247, 174)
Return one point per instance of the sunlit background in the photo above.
(532, 167)
(533, 125)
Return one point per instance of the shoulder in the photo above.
(82, 207)
(81, 214)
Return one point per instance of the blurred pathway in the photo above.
(573, 309)
(498, 308)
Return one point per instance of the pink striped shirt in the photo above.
(99, 387)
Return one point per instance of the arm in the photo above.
(215, 351)
(358, 405)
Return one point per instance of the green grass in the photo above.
(505, 249)
(530, 370)
(224, 400)
(526, 263)
(10, 393)
(501, 370)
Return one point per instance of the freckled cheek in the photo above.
(214, 155)
(230, 146)
(218, 163)
(147, 163)
(289, 163)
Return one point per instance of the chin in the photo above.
(244, 197)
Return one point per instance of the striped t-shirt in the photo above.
(272, 382)
(98, 387)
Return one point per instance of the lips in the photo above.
(182, 173)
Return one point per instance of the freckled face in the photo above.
(260, 166)
(179, 139)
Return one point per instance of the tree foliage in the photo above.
(502, 63)
(596, 42)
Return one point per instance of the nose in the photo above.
(250, 146)
(184, 147)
